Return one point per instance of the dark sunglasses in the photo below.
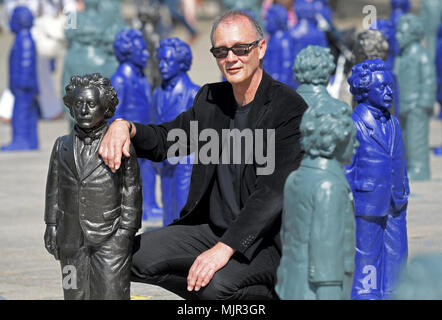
(239, 49)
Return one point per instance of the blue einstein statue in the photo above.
(23, 83)
(306, 32)
(378, 179)
(135, 101)
(175, 95)
(279, 59)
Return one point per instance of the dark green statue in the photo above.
(313, 67)
(416, 78)
(90, 43)
(318, 228)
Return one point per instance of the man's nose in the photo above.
(389, 90)
(231, 57)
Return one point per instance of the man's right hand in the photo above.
(116, 143)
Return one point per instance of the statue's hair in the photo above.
(182, 51)
(108, 95)
(305, 9)
(416, 27)
(386, 27)
(21, 17)
(235, 13)
(361, 78)
(370, 44)
(124, 43)
(280, 14)
(325, 127)
(314, 64)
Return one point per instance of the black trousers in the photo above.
(98, 272)
(164, 256)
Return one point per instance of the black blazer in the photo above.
(277, 107)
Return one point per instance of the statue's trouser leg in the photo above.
(367, 281)
(110, 268)
(75, 275)
(395, 251)
(381, 252)
(181, 183)
(415, 126)
(164, 256)
(24, 122)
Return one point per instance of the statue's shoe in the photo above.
(19, 146)
(438, 151)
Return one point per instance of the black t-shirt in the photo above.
(225, 198)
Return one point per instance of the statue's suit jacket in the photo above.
(378, 173)
(90, 206)
(317, 232)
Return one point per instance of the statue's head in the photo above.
(174, 57)
(328, 131)
(305, 9)
(314, 65)
(276, 18)
(91, 100)
(401, 4)
(409, 29)
(386, 27)
(370, 44)
(130, 46)
(21, 19)
(371, 83)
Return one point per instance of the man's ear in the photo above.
(262, 47)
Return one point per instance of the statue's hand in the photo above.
(115, 144)
(50, 240)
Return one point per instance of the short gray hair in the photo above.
(232, 13)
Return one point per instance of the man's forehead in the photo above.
(235, 29)
(86, 92)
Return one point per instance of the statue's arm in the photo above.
(131, 203)
(51, 204)
(326, 245)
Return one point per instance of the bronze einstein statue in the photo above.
(91, 214)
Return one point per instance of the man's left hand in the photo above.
(206, 264)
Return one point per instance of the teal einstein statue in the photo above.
(318, 228)
(416, 77)
(313, 67)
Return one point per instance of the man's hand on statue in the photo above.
(206, 264)
(50, 240)
(115, 143)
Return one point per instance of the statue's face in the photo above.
(167, 63)
(403, 35)
(87, 109)
(381, 92)
(140, 55)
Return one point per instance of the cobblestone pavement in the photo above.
(27, 271)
